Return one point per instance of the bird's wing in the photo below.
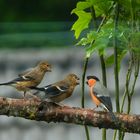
(102, 94)
(27, 75)
(105, 100)
(101, 89)
(54, 90)
(25, 72)
(19, 79)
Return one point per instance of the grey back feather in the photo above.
(103, 93)
(24, 73)
(99, 88)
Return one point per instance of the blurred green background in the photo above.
(36, 10)
(33, 23)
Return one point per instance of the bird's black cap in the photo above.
(93, 77)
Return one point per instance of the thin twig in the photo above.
(116, 71)
(103, 67)
(83, 94)
(116, 57)
(83, 82)
(127, 82)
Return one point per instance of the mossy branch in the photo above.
(50, 112)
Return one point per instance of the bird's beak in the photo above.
(87, 82)
(78, 81)
(49, 69)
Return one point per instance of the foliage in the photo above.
(115, 25)
(104, 38)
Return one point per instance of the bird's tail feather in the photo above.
(8, 83)
(37, 88)
(113, 117)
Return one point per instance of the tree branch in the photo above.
(51, 112)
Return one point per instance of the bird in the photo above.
(31, 77)
(100, 95)
(60, 90)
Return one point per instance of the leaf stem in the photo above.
(103, 67)
(136, 73)
(116, 57)
(128, 76)
(83, 82)
(83, 94)
(117, 94)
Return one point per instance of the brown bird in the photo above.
(30, 78)
(60, 90)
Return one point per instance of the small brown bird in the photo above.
(60, 90)
(30, 78)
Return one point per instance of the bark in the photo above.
(51, 112)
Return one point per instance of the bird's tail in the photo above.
(37, 88)
(8, 83)
(38, 92)
(112, 115)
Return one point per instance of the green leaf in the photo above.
(127, 4)
(120, 57)
(94, 47)
(83, 41)
(81, 6)
(109, 61)
(101, 42)
(84, 19)
(101, 6)
(89, 51)
(88, 39)
(135, 40)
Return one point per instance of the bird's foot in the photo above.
(95, 108)
(35, 98)
(59, 104)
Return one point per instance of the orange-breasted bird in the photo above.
(100, 95)
(29, 78)
(60, 90)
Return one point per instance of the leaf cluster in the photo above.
(127, 39)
